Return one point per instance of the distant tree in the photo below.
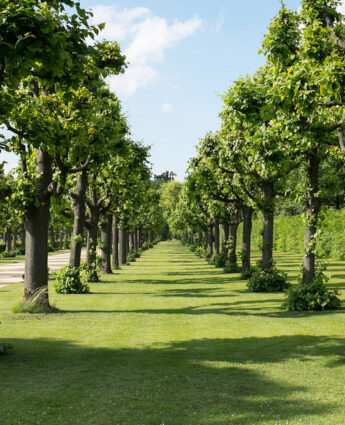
(166, 176)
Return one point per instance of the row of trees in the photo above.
(79, 168)
(282, 128)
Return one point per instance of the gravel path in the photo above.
(13, 273)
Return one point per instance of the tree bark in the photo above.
(115, 252)
(313, 209)
(209, 239)
(106, 244)
(216, 238)
(36, 244)
(233, 242)
(8, 240)
(22, 236)
(135, 240)
(79, 207)
(122, 246)
(92, 239)
(267, 234)
(14, 241)
(61, 240)
(246, 238)
(52, 237)
(225, 238)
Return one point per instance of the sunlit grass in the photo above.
(170, 339)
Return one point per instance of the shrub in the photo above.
(5, 348)
(218, 260)
(68, 281)
(200, 251)
(248, 274)
(9, 254)
(21, 250)
(133, 255)
(267, 280)
(313, 297)
(232, 268)
(88, 272)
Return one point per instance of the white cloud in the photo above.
(220, 22)
(146, 37)
(167, 107)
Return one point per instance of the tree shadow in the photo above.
(196, 382)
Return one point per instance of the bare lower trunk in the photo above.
(122, 246)
(79, 208)
(14, 241)
(115, 252)
(267, 234)
(92, 240)
(246, 238)
(225, 238)
(135, 240)
(233, 242)
(52, 237)
(8, 240)
(209, 240)
(36, 245)
(313, 208)
(22, 236)
(61, 240)
(216, 238)
(106, 245)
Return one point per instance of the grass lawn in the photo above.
(171, 340)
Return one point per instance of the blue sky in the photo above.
(184, 55)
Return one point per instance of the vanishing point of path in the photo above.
(171, 340)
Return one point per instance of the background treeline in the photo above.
(81, 180)
(278, 156)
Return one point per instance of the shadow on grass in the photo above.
(195, 382)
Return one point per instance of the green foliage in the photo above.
(313, 297)
(5, 348)
(232, 267)
(201, 252)
(218, 260)
(88, 273)
(68, 281)
(133, 255)
(9, 254)
(267, 280)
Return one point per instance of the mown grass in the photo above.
(171, 340)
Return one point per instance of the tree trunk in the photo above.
(127, 244)
(122, 246)
(14, 241)
(209, 240)
(216, 238)
(61, 240)
(233, 242)
(313, 208)
(52, 237)
(79, 208)
(225, 238)
(246, 238)
(22, 236)
(106, 244)
(115, 243)
(135, 240)
(92, 239)
(8, 240)
(36, 244)
(267, 234)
